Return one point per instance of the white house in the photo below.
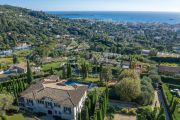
(19, 68)
(6, 52)
(22, 46)
(53, 97)
(126, 64)
(145, 52)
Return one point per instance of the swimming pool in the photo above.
(73, 82)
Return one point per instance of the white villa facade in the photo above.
(51, 97)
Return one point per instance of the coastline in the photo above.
(122, 16)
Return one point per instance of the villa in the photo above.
(23, 45)
(6, 52)
(126, 64)
(52, 97)
(18, 68)
(145, 52)
(173, 55)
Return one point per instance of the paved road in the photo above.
(162, 102)
(156, 102)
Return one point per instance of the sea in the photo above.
(118, 16)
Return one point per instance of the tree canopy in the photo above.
(129, 87)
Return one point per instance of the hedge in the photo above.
(169, 102)
(166, 59)
(163, 89)
(172, 86)
(170, 80)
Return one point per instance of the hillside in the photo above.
(36, 27)
(19, 24)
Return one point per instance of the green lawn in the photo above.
(88, 79)
(54, 65)
(101, 89)
(7, 61)
(23, 52)
(19, 117)
(92, 79)
(177, 113)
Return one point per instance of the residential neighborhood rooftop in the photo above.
(170, 69)
(56, 92)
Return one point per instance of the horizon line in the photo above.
(107, 11)
(163, 11)
(160, 11)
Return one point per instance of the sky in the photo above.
(97, 5)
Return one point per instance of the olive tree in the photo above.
(128, 89)
(6, 101)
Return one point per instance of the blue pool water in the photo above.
(119, 16)
(73, 82)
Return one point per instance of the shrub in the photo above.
(112, 94)
(153, 72)
(166, 59)
(101, 84)
(124, 111)
(170, 80)
(178, 110)
(13, 109)
(177, 76)
(40, 114)
(112, 110)
(155, 78)
(147, 92)
(4, 117)
(132, 111)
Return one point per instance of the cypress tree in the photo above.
(174, 106)
(171, 104)
(25, 79)
(15, 60)
(88, 104)
(1, 88)
(100, 71)
(51, 71)
(86, 70)
(99, 117)
(79, 116)
(96, 67)
(87, 114)
(103, 109)
(106, 99)
(18, 82)
(83, 70)
(84, 67)
(23, 82)
(95, 116)
(29, 73)
(69, 71)
(91, 118)
(64, 73)
(14, 89)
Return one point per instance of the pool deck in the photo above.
(64, 86)
(58, 85)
